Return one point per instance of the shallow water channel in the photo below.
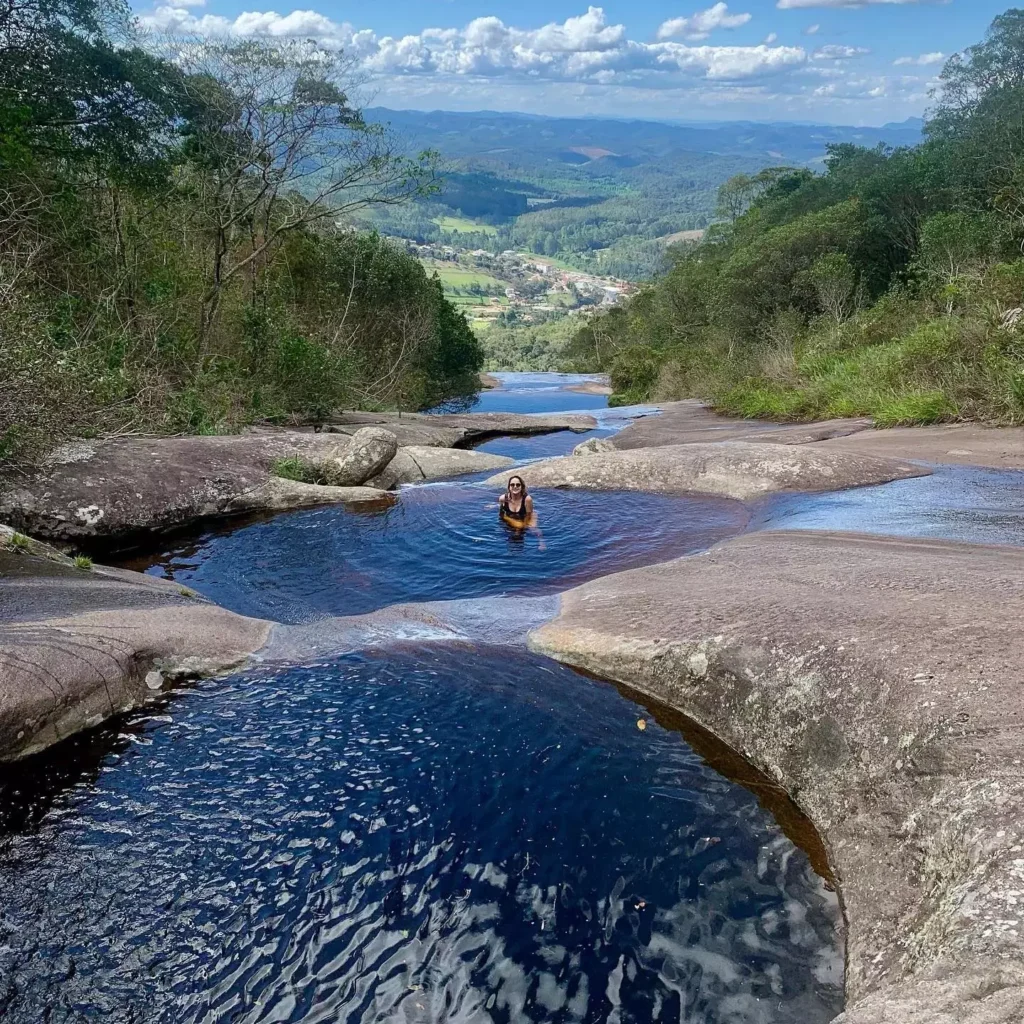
(417, 832)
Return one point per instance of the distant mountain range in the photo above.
(519, 140)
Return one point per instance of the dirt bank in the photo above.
(591, 387)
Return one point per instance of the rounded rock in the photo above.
(369, 451)
(594, 446)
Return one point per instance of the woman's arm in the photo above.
(531, 520)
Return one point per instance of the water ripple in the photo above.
(440, 542)
(422, 835)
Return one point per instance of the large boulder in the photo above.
(878, 681)
(595, 446)
(367, 453)
(730, 469)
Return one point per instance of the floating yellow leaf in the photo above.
(641, 724)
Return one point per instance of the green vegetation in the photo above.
(83, 562)
(456, 277)
(169, 260)
(890, 286)
(535, 348)
(296, 468)
(20, 542)
(463, 225)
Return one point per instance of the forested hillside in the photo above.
(891, 285)
(169, 259)
(603, 195)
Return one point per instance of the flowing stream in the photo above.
(417, 831)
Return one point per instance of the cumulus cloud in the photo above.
(770, 38)
(832, 52)
(702, 24)
(581, 49)
(923, 60)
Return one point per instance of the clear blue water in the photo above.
(441, 832)
(960, 503)
(425, 835)
(542, 446)
(537, 392)
(438, 542)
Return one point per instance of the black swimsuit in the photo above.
(520, 516)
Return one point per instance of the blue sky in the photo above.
(860, 62)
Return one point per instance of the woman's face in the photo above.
(515, 487)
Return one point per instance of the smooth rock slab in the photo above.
(732, 469)
(460, 430)
(415, 463)
(880, 682)
(77, 646)
(694, 422)
(110, 494)
(962, 444)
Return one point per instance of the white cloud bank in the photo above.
(922, 61)
(798, 4)
(832, 52)
(580, 49)
(581, 64)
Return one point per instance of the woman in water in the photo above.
(515, 507)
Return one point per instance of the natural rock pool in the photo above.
(429, 832)
(441, 541)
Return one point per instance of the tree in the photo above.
(835, 283)
(280, 148)
(734, 196)
(955, 247)
(737, 194)
(979, 119)
(73, 87)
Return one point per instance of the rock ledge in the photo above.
(879, 682)
(732, 469)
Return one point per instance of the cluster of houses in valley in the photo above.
(537, 289)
